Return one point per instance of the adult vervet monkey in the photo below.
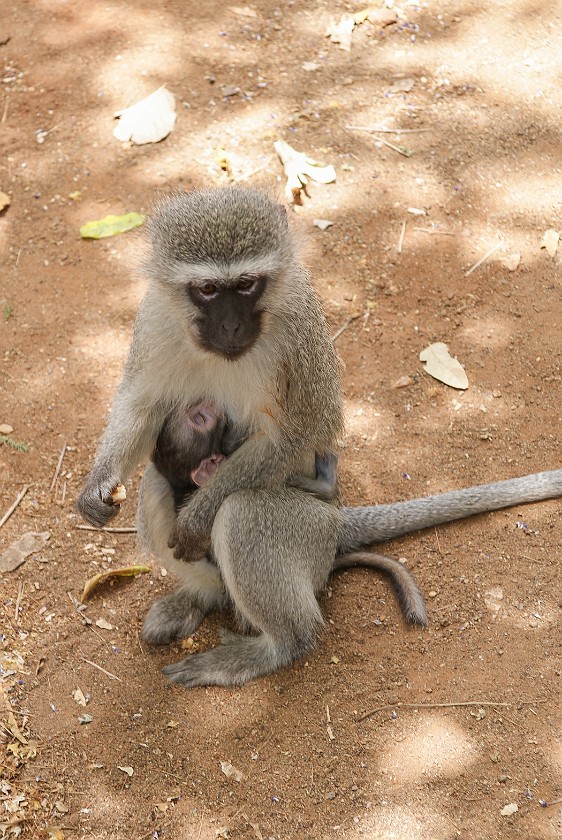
(230, 319)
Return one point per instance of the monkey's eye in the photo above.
(246, 284)
(208, 290)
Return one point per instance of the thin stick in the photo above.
(435, 232)
(484, 258)
(253, 172)
(399, 149)
(439, 706)
(14, 506)
(109, 530)
(108, 673)
(401, 238)
(345, 326)
(57, 470)
(383, 130)
(18, 601)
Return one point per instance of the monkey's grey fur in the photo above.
(272, 547)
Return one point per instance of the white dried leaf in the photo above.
(322, 224)
(244, 11)
(442, 366)
(231, 772)
(79, 697)
(550, 241)
(103, 624)
(299, 168)
(128, 770)
(402, 86)
(340, 33)
(509, 810)
(417, 211)
(510, 261)
(149, 120)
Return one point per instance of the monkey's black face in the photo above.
(230, 318)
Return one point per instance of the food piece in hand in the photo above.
(119, 494)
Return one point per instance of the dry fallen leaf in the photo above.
(127, 571)
(322, 224)
(19, 550)
(299, 168)
(550, 241)
(442, 366)
(149, 120)
(231, 772)
(79, 697)
(510, 261)
(244, 11)
(340, 33)
(103, 624)
(380, 17)
(509, 810)
(128, 770)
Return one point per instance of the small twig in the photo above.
(14, 506)
(63, 494)
(108, 673)
(253, 172)
(18, 601)
(5, 114)
(402, 150)
(345, 326)
(384, 130)
(484, 258)
(438, 706)
(57, 470)
(108, 529)
(435, 232)
(401, 237)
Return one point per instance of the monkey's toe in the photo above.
(166, 622)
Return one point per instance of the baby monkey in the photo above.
(196, 440)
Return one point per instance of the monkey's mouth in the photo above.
(231, 352)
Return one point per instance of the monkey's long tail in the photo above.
(362, 526)
(407, 592)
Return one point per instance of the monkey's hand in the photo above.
(97, 502)
(188, 545)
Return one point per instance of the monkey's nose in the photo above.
(231, 329)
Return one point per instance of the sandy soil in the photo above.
(481, 99)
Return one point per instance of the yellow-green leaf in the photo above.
(128, 571)
(110, 225)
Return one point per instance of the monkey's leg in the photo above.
(272, 564)
(181, 612)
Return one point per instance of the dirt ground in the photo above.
(479, 95)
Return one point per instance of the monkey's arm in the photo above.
(128, 439)
(257, 463)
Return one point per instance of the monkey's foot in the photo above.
(237, 660)
(173, 617)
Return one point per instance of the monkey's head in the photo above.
(221, 254)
